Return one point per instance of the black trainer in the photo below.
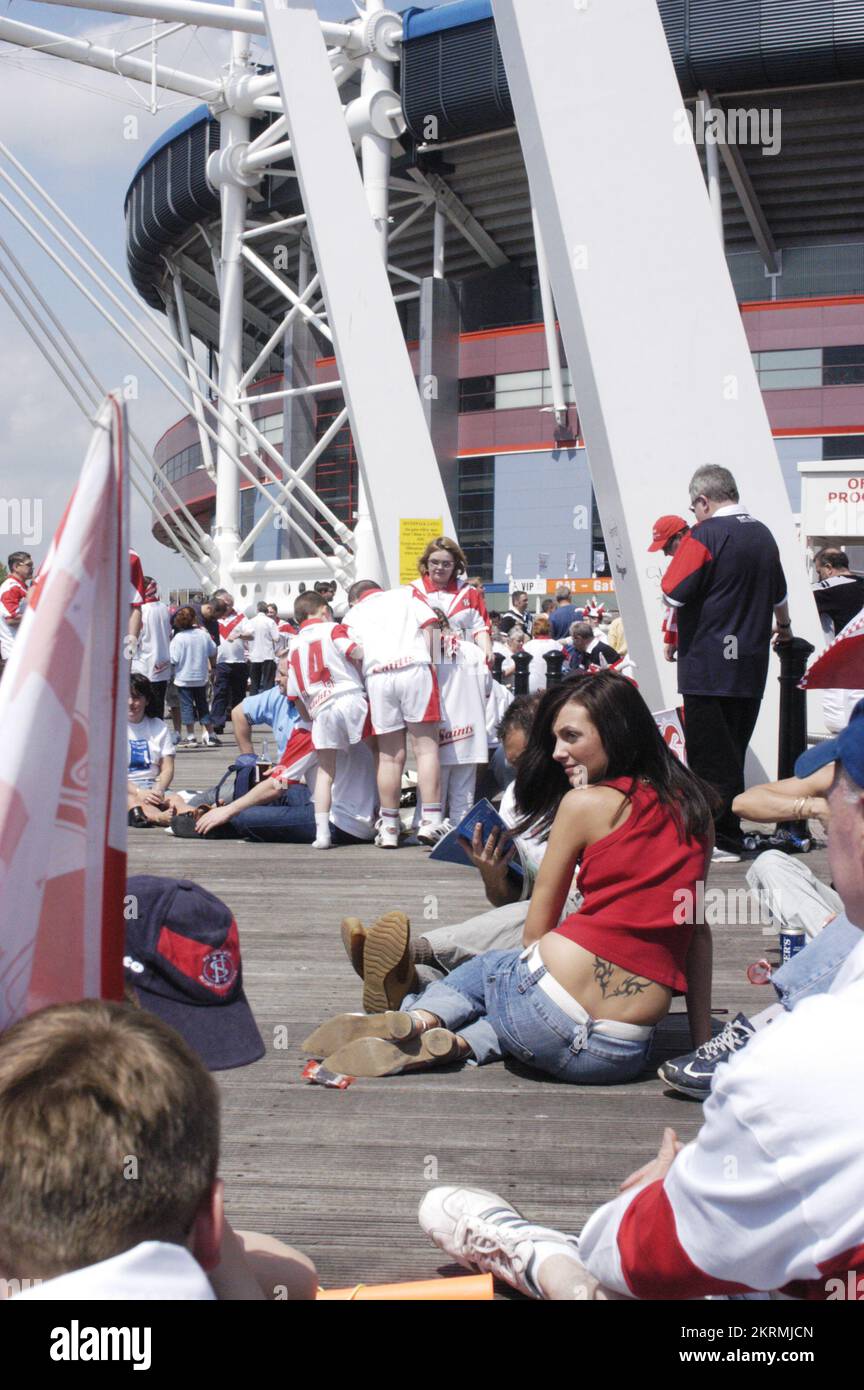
(693, 1073)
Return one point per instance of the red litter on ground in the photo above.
(759, 973)
(320, 1076)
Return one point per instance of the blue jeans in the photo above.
(494, 1002)
(812, 971)
(193, 704)
(288, 821)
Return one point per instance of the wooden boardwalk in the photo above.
(341, 1173)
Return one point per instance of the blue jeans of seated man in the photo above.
(495, 1003)
(288, 821)
(812, 970)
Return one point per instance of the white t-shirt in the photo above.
(264, 633)
(464, 683)
(388, 625)
(538, 672)
(355, 792)
(498, 701)
(231, 646)
(190, 652)
(320, 664)
(153, 657)
(462, 605)
(151, 1271)
(149, 743)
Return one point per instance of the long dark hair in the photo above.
(633, 745)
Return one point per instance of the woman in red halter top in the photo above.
(581, 1000)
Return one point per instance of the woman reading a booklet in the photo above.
(581, 1000)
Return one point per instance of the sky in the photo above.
(70, 127)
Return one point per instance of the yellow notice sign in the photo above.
(415, 533)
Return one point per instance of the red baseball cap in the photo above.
(665, 527)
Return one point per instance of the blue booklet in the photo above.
(450, 850)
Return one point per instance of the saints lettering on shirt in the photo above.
(320, 664)
(389, 625)
(462, 605)
(464, 682)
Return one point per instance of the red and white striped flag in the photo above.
(841, 665)
(63, 713)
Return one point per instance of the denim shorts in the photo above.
(193, 704)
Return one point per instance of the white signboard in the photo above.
(832, 499)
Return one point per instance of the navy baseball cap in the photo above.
(847, 748)
(182, 958)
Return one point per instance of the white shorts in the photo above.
(344, 720)
(407, 696)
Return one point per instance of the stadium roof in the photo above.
(801, 58)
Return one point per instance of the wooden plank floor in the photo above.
(341, 1173)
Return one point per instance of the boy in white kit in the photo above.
(394, 630)
(326, 685)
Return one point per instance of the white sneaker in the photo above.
(481, 1231)
(386, 836)
(429, 832)
(724, 856)
(322, 843)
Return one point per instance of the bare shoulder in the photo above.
(595, 808)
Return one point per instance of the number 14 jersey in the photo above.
(320, 664)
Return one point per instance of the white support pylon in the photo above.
(394, 451)
(658, 356)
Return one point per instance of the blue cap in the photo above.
(847, 748)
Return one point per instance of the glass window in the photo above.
(843, 366)
(569, 393)
(515, 390)
(476, 513)
(476, 393)
(843, 446)
(790, 369)
(271, 427)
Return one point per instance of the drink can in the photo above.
(792, 940)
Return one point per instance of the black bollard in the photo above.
(522, 664)
(554, 661)
(792, 740)
(497, 663)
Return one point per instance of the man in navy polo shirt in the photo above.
(726, 583)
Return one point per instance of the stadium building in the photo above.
(774, 99)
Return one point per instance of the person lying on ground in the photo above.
(767, 1199)
(109, 1157)
(583, 998)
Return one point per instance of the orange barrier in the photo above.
(473, 1288)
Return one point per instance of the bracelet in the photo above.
(798, 812)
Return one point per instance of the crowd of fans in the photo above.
(602, 833)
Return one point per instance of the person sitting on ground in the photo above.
(109, 1157)
(538, 645)
(767, 1199)
(396, 963)
(795, 898)
(193, 656)
(151, 761)
(272, 708)
(639, 824)
(325, 683)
